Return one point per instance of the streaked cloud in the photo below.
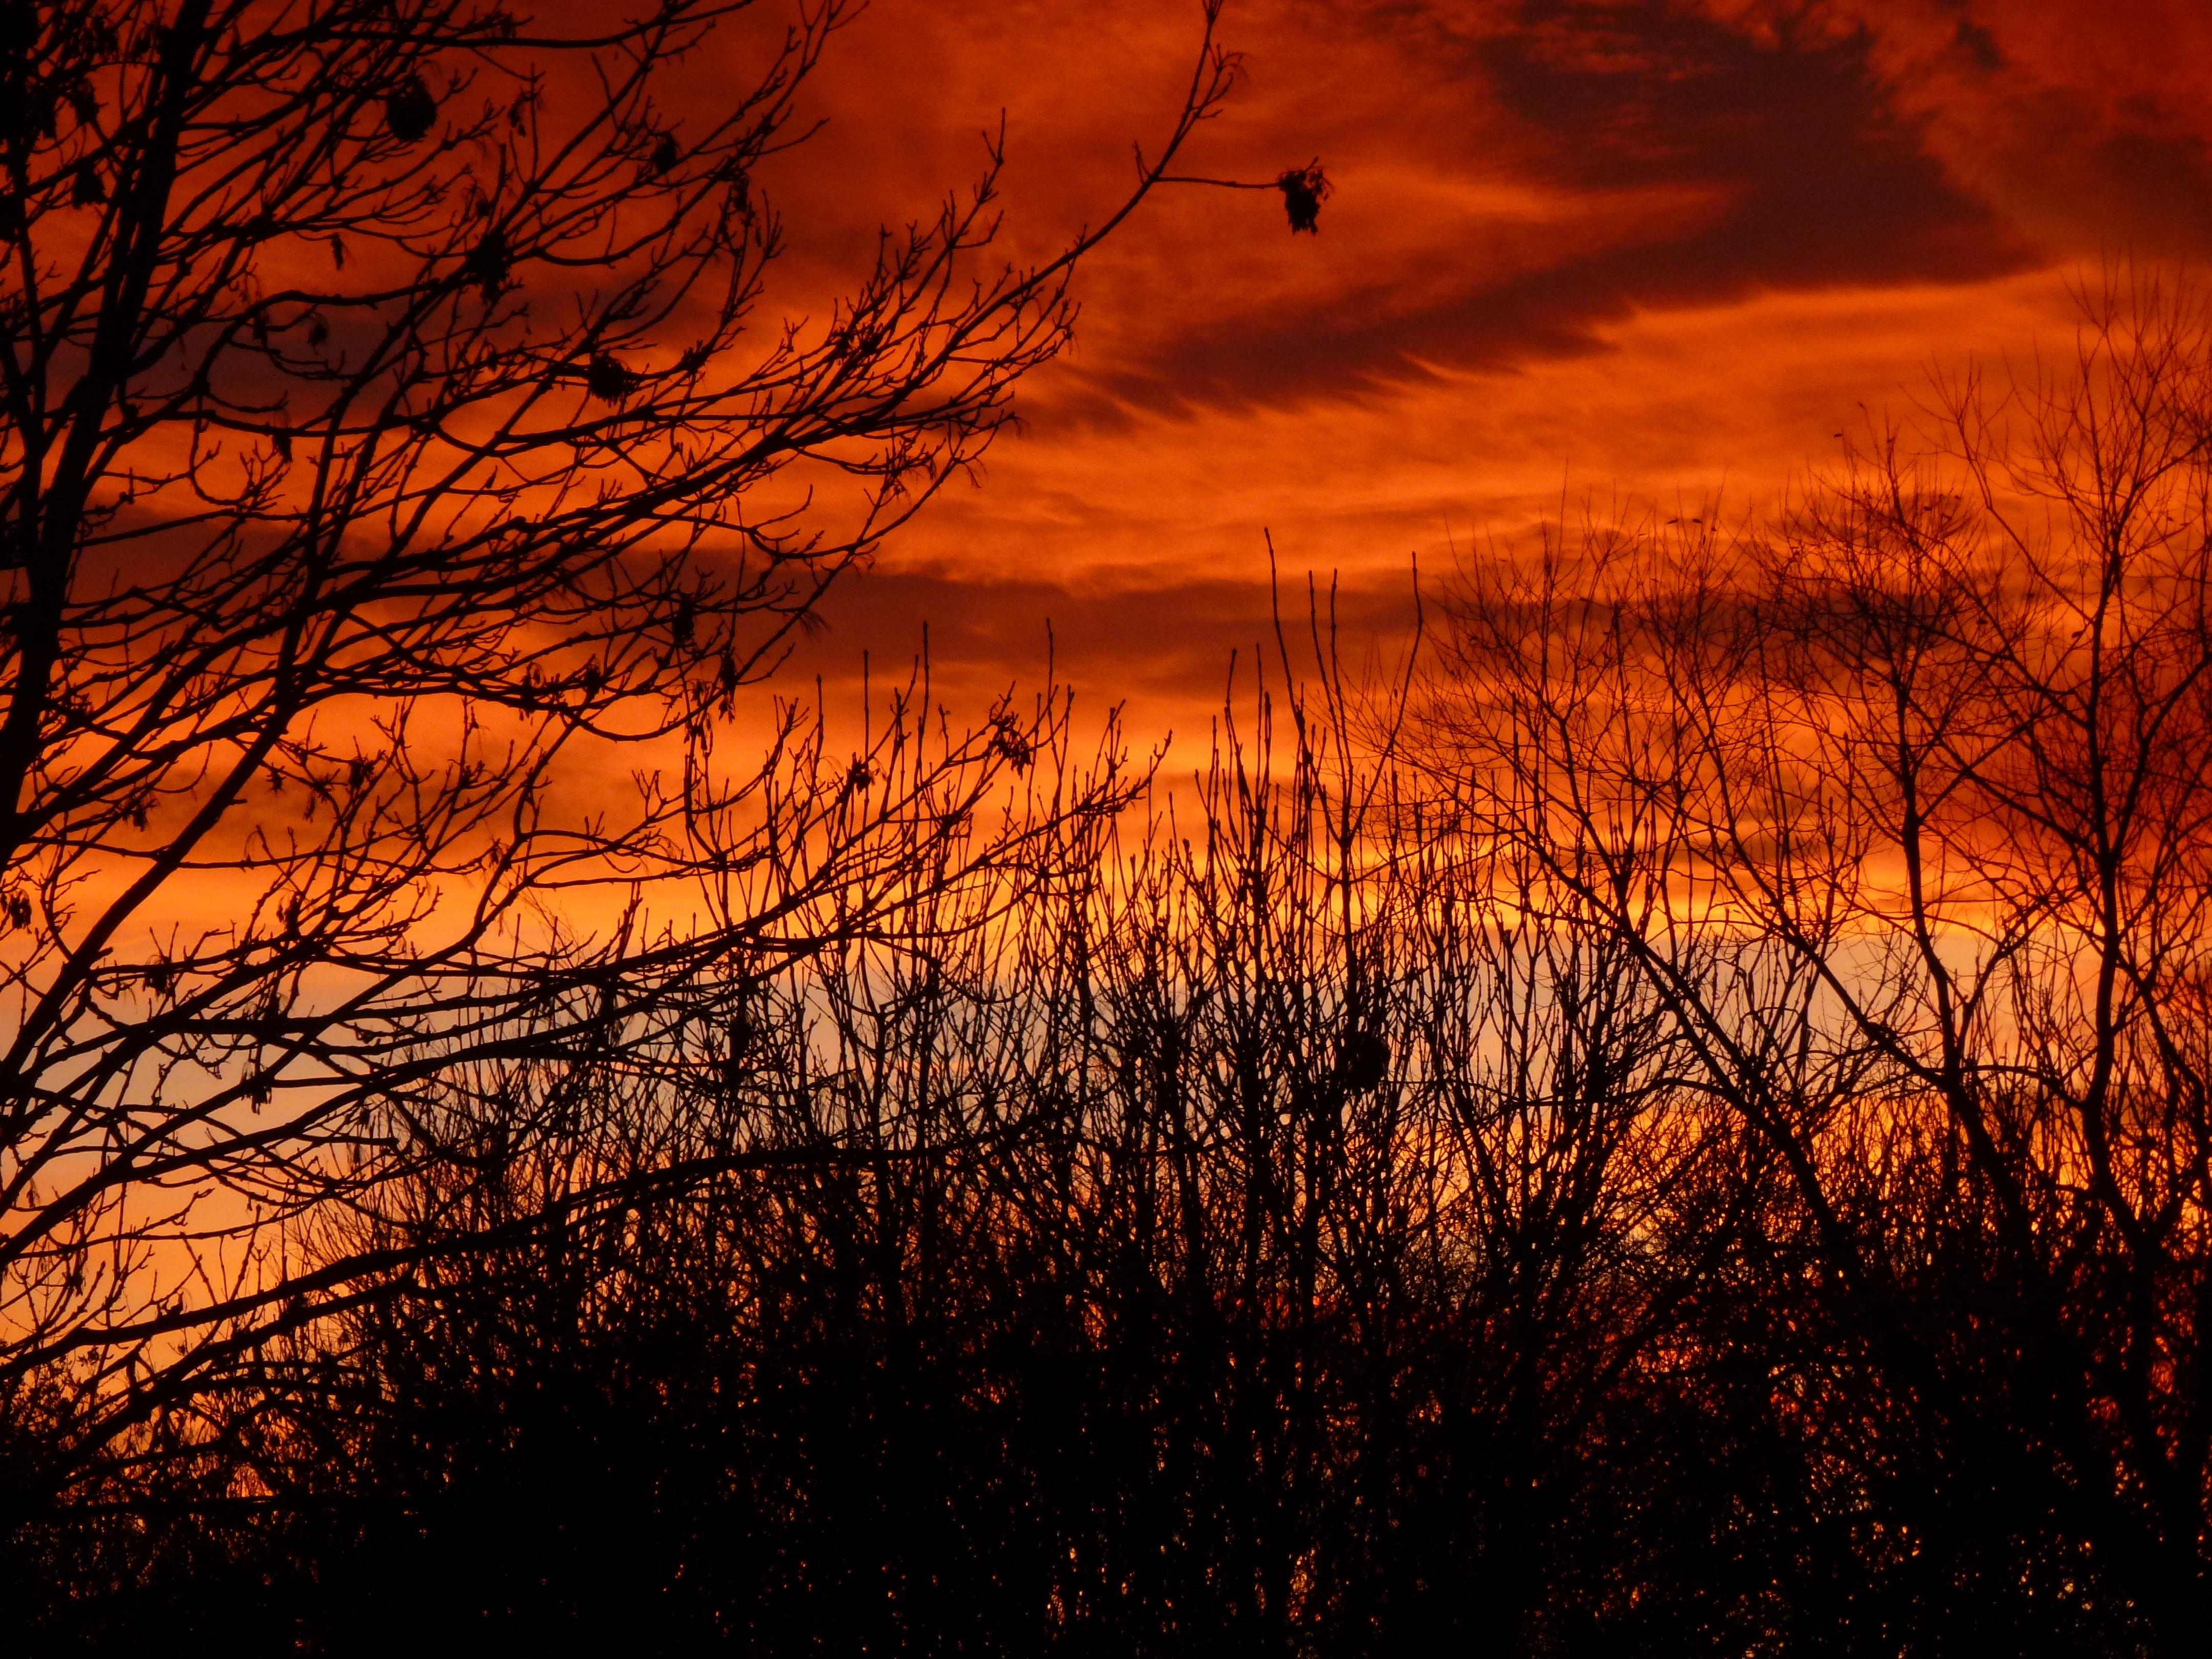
(1652, 248)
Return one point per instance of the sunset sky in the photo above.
(1575, 251)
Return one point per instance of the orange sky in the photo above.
(1655, 249)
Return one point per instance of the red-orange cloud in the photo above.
(1573, 247)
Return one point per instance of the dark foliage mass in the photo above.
(1432, 1190)
(1676, 1124)
(1303, 190)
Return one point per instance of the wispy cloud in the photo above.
(1573, 246)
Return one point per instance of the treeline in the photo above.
(1678, 1125)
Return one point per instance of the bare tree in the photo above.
(388, 442)
(1900, 807)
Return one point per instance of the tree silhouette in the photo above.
(391, 447)
(1899, 806)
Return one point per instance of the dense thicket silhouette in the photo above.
(1310, 1216)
